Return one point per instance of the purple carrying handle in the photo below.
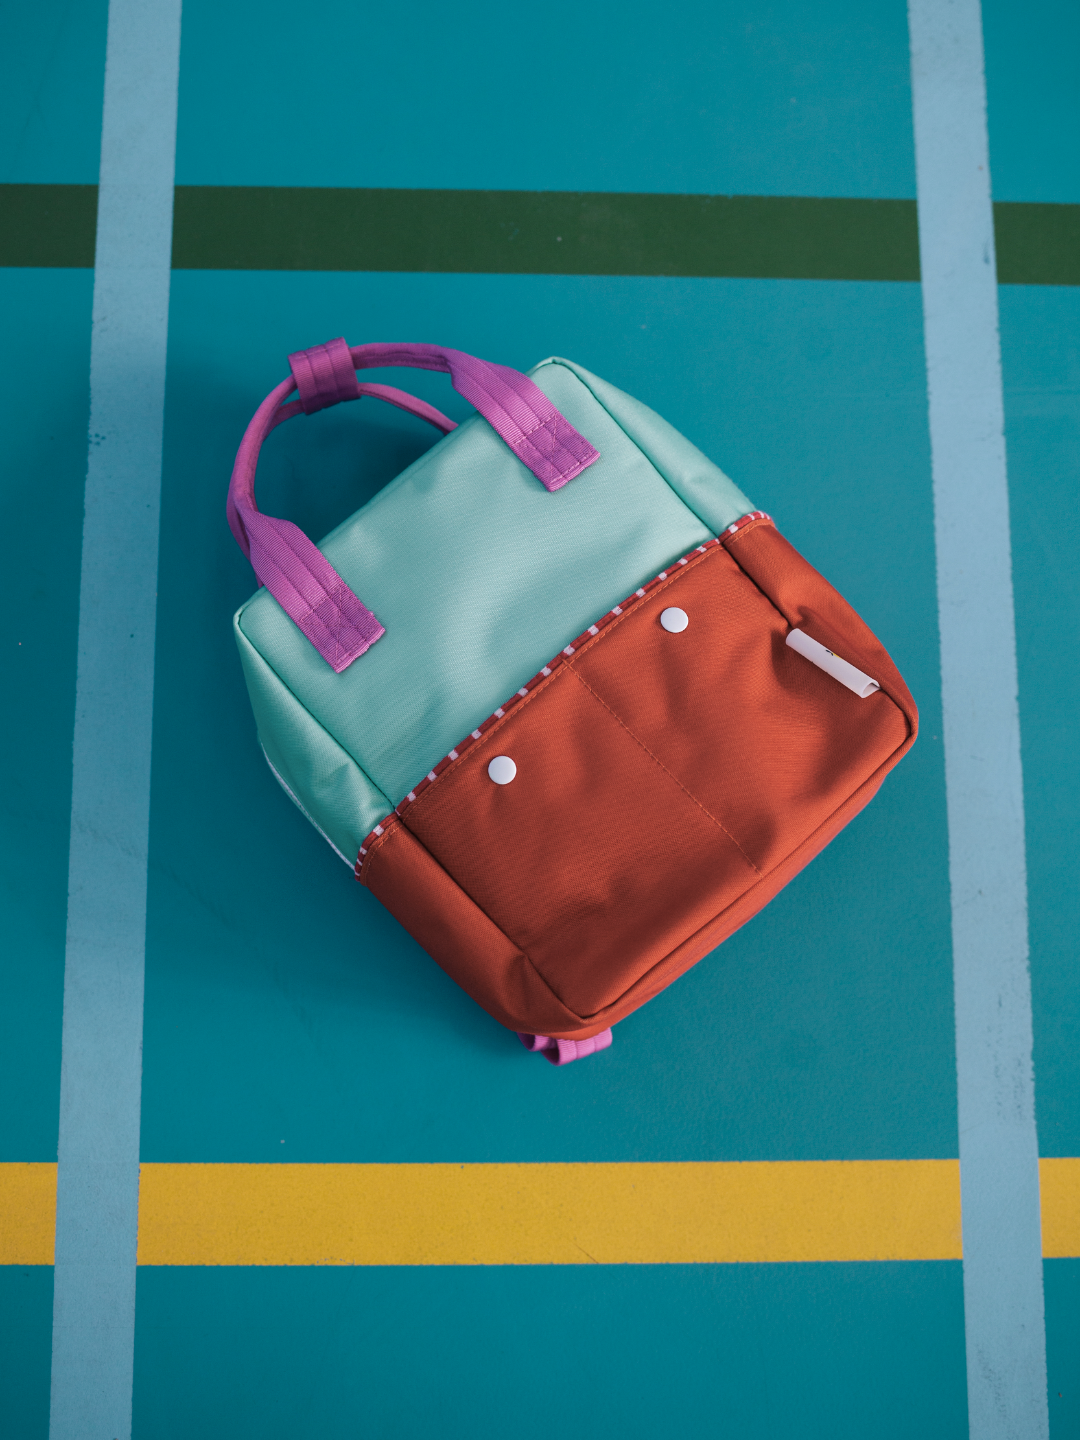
(295, 571)
(562, 1052)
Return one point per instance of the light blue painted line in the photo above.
(101, 1066)
(999, 1174)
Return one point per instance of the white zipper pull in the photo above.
(839, 669)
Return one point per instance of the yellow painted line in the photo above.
(1059, 1184)
(538, 1214)
(27, 1213)
(549, 1214)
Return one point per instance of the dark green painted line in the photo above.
(548, 233)
(48, 225)
(526, 232)
(1037, 244)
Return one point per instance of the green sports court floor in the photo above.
(714, 207)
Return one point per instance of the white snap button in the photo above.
(674, 619)
(502, 770)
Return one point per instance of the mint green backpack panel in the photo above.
(702, 486)
(319, 775)
(480, 576)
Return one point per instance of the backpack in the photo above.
(571, 707)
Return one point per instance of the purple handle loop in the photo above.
(562, 1052)
(513, 406)
(295, 571)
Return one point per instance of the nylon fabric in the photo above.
(324, 375)
(510, 402)
(667, 786)
(335, 620)
(298, 575)
(457, 934)
(699, 483)
(480, 576)
(564, 1052)
(317, 600)
(323, 778)
(787, 727)
(411, 404)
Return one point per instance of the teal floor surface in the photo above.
(288, 1017)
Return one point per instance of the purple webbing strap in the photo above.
(297, 574)
(562, 1052)
(295, 571)
(513, 406)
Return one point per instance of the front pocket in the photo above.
(762, 738)
(593, 860)
(664, 774)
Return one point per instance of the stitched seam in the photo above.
(561, 448)
(729, 537)
(726, 541)
(301, 806)
(718, 823)
(338, 622)
(539, 425)
(391, 825)
(581, 645)
(564, 664)
(526, 957)
(628, 611)
(550, 423)
(568, 365)
(239, 628)
(491, 730)
(536, 970)
(882, 770)
(751, 581)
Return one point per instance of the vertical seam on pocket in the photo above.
(689, 794)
